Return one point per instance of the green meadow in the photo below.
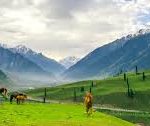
(110, 92)
(38, 114)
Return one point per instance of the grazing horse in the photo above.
(88, 102)
(3, 91)
(20, 97)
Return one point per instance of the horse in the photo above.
(20, 97)
(3, 92)
(88, 101)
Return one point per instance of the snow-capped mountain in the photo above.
(142, 32)
(22, 50)
(21, 70)
(4, 45)
(47, 64)
(69, 61)
(17, 63)
(122, 54)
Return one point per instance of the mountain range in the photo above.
(26, 66)
(15, 62)
(122, 54)
(22, 63)
(47, 64)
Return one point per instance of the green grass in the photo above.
(111, 92)
(53, 115)
(134, 117)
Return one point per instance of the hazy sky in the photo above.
(61, 28)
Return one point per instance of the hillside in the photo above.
(123, 54)
(108, 93)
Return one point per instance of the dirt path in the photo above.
(95, 106)
(119, 109)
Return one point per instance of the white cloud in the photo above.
(61, 28)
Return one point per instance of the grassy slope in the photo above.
(53, 115)
(111, 92)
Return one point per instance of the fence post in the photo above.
(143, 76)
(44, 95)
(90, 90)
(136, 70)
(92, 85)
(75, 97)
(128, 87)
(82, 89)
(125, 77)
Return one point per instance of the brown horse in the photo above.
(88, 101)
(20, 97)
(3, 92)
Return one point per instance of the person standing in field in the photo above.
(88, 101)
